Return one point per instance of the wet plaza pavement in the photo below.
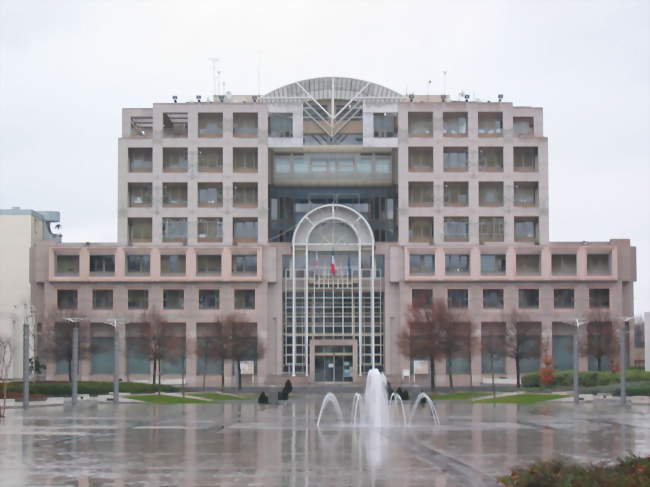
(240, 443)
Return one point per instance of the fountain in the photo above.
(372, 409)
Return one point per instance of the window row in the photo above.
(563, 298)
(457, 229)
(490, 159)
(210, 125)
(209, 159)
(495, 264)
(208, 195)
(490, 193)
(175, 229)
(170, 264)
(454, 124)
(102, 299)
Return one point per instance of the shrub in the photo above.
(546, 372)
(530, 380)
(87, 387)
(631, 472)
(263, 398)
(403, 393)
(634, 390)
(588, 379)
(288, 388)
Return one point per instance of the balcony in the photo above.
(526, 194)
(522, 126)
(420, 194)
(525, 159)
(175, 159)
(210, 159)
(420, 124)
(141, 127)
(174, 125)
(455, 159)
(140, 195)
(490, 194)
(245, 125)
(420, 159)
(210, 125)
(456, 194)
(490, 159)
(385, 125)
(454, 124)
(490, 124)
(140, 159)
(174, 195)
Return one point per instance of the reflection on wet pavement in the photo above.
(241, 443)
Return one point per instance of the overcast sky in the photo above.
(67, 68)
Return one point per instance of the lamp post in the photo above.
(74, 322)
(576, 384)
(25, 364)
(115, 323)
(623, 356)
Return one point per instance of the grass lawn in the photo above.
(165, 399)
(217, 396)
(522, 399)
(458, 396)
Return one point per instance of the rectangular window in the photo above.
(208, 299)
(493, 264)
(244, 264)
(455, 159)
(525, 159)
(138, 299)
(490, 193)
(490, 159)
(422, 264)
(529, 298)
(563, 298)
(421, 159)
(67, 265)
(526, 194)
(385, 124)
(420, 194)
(210, 159)
(210, 195)
(598, 265)
(140, 159)
(281, 125)
(421, 297)
(137, 264)
(140, 195)
(174, 124)
(66, 299)
(490, 124)
(173, 298)
(526, 229)
(454, 124)
(174, 159)
(456, 194)
(209, 229)
(493, 343)
(208, 264)
(102, 264)
(490, 228)
(244, 299)
(139, 230)
(172, 264)
(456, 264)
(599, 298)
(493, 298)
(522, 126)
(456, 229)
(208, 346)
(210, 125)
(245, 125)
(457, 298)
(528, 264)
(102, 299)
(245, 195)
(420, 124)
(420, 229)
(175, 195)
(563, 264)
(245, 229)
(174, 229)
(244, 159)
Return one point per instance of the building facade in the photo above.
(22, 230)
(317, 214)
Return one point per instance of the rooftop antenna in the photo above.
(216, 76)
(444, 82)
(259, 76)
(428, 89)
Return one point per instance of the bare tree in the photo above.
(6, 359)
(602, 340)
(55, 340)
(493, 344)
(427, 333)
(210, 348)
(240, 342)
(153, 344)
(453, 340)
(518, 335)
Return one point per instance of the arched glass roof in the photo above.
(332, 87)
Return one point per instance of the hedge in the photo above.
(84, 387)
(634, 390)
(586, 379)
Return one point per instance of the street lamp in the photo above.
(74, 322)
(576, 385)
(623, 356)
(115, 323)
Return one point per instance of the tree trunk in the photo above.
(204, 379)
(153, 378)
(432, 373)
(238, 375)
(159, 375)
(223, 377)
(4, 399)
(450, 374)
(469, 359)
(518, 372)
(494, 391)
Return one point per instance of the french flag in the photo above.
(333, 266)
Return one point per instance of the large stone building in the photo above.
(317, 213)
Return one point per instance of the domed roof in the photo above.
(340, 88)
